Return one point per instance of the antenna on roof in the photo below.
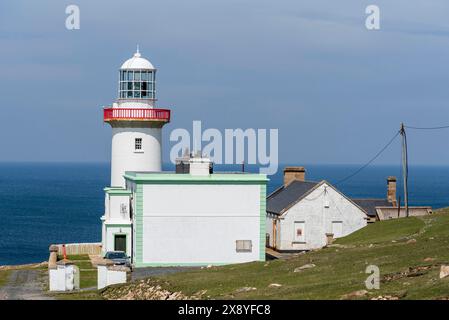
(138, 51)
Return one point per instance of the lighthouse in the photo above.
(136, 123)
(191, 216)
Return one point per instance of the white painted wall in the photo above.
(118, 207)
(64, 278)
(199, 224)
(124, 157)
(318, 220)
(134, 103)
(107, 277)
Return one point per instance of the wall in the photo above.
(115, 203)
(386, 213)
(318, 219)
(109, 275)
(80, 248)
(192, 224)
(125, 158)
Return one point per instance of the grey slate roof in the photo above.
(285, 196)
(369, 205)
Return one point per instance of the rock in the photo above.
(245, 289)
(306, 266)
(386, 297)
(371, 245)
(266, 264)
(411, 241)
(354, 294)
(274, 285)
(209, 266)
(200, 293)
(444, 271)
(429, 259)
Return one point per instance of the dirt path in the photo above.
(25, 285)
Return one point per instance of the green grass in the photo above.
(4, 276)
(81, 295)
(339, 269)
(88, 273)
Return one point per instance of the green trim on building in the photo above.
(141, 179)
(117, 191)
(176, 264)
(171, 178)
(139, 224)
(119, 225)
(263, 215)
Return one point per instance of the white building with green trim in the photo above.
(191, 218)
(173, 219)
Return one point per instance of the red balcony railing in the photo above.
(134, 114)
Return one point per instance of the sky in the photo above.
(336, 91)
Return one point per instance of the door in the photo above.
(120, 242)
(337, 229)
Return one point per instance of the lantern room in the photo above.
(137, 79)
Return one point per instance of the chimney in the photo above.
(294, 173)
(391, 190)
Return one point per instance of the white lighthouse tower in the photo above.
(136, 146)
(136, 123)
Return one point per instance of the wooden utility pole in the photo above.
(405, 167)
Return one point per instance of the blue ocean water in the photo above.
(41, 204)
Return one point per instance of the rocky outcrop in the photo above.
(145, 290)
(304, 267)
(444, 271)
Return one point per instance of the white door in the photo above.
(337, 228)
(299, 231)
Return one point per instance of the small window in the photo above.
(244, 246)
(138, 144)
(299, 229)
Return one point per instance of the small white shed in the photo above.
(305, 215)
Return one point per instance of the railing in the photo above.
(145, 114)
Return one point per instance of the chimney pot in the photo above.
(294, 173)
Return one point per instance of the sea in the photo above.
(46, 203)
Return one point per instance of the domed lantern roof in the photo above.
(137, 63)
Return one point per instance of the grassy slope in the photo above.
(339, 270)
(4, 275)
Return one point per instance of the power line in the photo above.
(427, 128)
(370, 161)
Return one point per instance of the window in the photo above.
(138, 144)
(244, 246)
(137, 84)
(299, 231)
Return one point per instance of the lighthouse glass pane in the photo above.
(130, 75)
(130, 94)
(136, 85)
(136, 94)
(144, 75)
(136, 75)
